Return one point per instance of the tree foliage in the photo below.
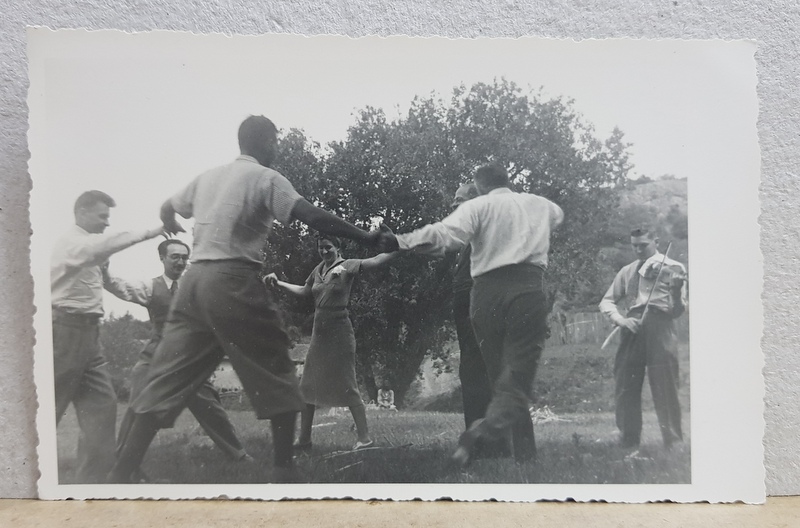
(406, 171)
(122, 339)
(658, 204)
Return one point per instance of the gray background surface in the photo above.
(773, 24)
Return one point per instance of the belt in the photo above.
(517, 273)
(653, 311)
(62, 316)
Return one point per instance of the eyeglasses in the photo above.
(176, 258)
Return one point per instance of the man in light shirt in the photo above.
(81, 376)
(156, 295)
(510, 237)
(649, 344)
(222, 308)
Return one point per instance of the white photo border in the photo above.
(727, 386)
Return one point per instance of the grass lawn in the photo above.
(412, 447)
(576, 447)
(580, 378)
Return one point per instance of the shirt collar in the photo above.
(168, 281)
(335, 263)
(500, 190)
(245, 157)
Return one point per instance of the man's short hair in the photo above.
(470, 189)
(162, 247)
(492, 175)
(643, 231)
(255, 133)
(90, 198)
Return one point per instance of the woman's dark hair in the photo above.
(336, 241)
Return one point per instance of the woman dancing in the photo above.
(329, 375)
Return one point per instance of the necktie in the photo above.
(173, 288)
(633, 285)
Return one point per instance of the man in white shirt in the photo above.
(81, 376)
(156, 295)
(510, 237)
(648, 343)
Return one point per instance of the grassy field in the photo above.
(580, 379)
(576, 441)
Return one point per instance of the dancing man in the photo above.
(510, 237)
(156, 295)
(81, 376)
(222, 308)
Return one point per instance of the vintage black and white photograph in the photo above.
(289, 266)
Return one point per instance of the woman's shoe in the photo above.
(363, 445)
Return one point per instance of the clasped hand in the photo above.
(384, 240)
(271, 280)
(172, 228)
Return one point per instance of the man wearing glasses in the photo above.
(156, 295)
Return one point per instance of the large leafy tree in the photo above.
(548, 150)
(405, 172)
(290, 252)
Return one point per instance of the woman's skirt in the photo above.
(329, 374)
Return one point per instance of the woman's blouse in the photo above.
(331, 288)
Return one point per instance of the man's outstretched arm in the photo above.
(330, 224)
(137, 292)
(96, 248)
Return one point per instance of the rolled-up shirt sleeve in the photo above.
(556, 215)
(282, 198)
(683, 297)
(183, 200)
(608, 305)
(138, 292)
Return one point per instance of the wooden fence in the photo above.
(592, 327)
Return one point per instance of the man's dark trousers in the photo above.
(509, 316)
(654, 349)
(82, 378)
(476, 392)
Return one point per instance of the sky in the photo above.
(139, 115)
